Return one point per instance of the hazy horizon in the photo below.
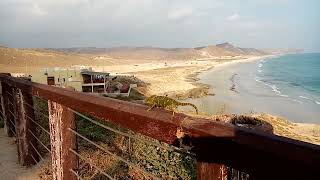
(159, 23)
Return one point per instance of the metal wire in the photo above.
(2, 118)
(40, 98)
(44, 129)
(36, 150)
(11, 103)
(34, 159)
(86, 160)
(12, 114)
(133, 136)
(112, 154)
(2, 114)
(76, 174)
(9, 93)
(40, 141)
(37, 111)
(15, 134)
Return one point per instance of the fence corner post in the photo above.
(211, 171)
(8, 118)
(62, 140)
(27, 154)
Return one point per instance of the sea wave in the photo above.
(296, 100)
(275, 89)
(283, 95)
(260, 65)
(310, 99)
(278, 92)
(304, 97)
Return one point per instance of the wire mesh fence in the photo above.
(109, 151)
(104, 149)
(11, 120)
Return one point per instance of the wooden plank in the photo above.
(61, 119)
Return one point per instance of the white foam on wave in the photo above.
(297, 101)
(273, 87)
(303, 97)
(315, 101)
(257, 79)
(283, 95)
(259, 70)
(260, 65)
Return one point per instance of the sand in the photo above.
(171, 77)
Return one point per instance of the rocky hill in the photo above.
(155, 53)
(242, 51)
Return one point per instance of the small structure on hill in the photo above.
(85, 80)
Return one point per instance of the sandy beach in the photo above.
(173, 78)
(176, 78)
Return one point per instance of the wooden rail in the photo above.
(263, 156)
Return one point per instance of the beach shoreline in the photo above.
(181, 80)
(203, 89)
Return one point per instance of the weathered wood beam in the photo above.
(6, 101)
(26, 153)
(62, 140)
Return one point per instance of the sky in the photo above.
(160, 23)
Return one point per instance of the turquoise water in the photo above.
(287, 86)
(296, 76)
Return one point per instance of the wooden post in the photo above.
(211, 171)
(8, 117)
(62, 139)
(91, 84)
(26, 153)
(104, 84)
(3, 114)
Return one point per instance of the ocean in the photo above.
(295, 76)
(286, 86)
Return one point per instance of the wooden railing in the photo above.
(216, 145)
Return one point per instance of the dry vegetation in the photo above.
(299, 131)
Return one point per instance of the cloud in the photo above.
(166, 23)
(233, 17)
(36, 10)
(180, 14)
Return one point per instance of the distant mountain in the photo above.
(241, 51)
(211, 51)
(229, 47)
(284, 51)
(214, 51)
